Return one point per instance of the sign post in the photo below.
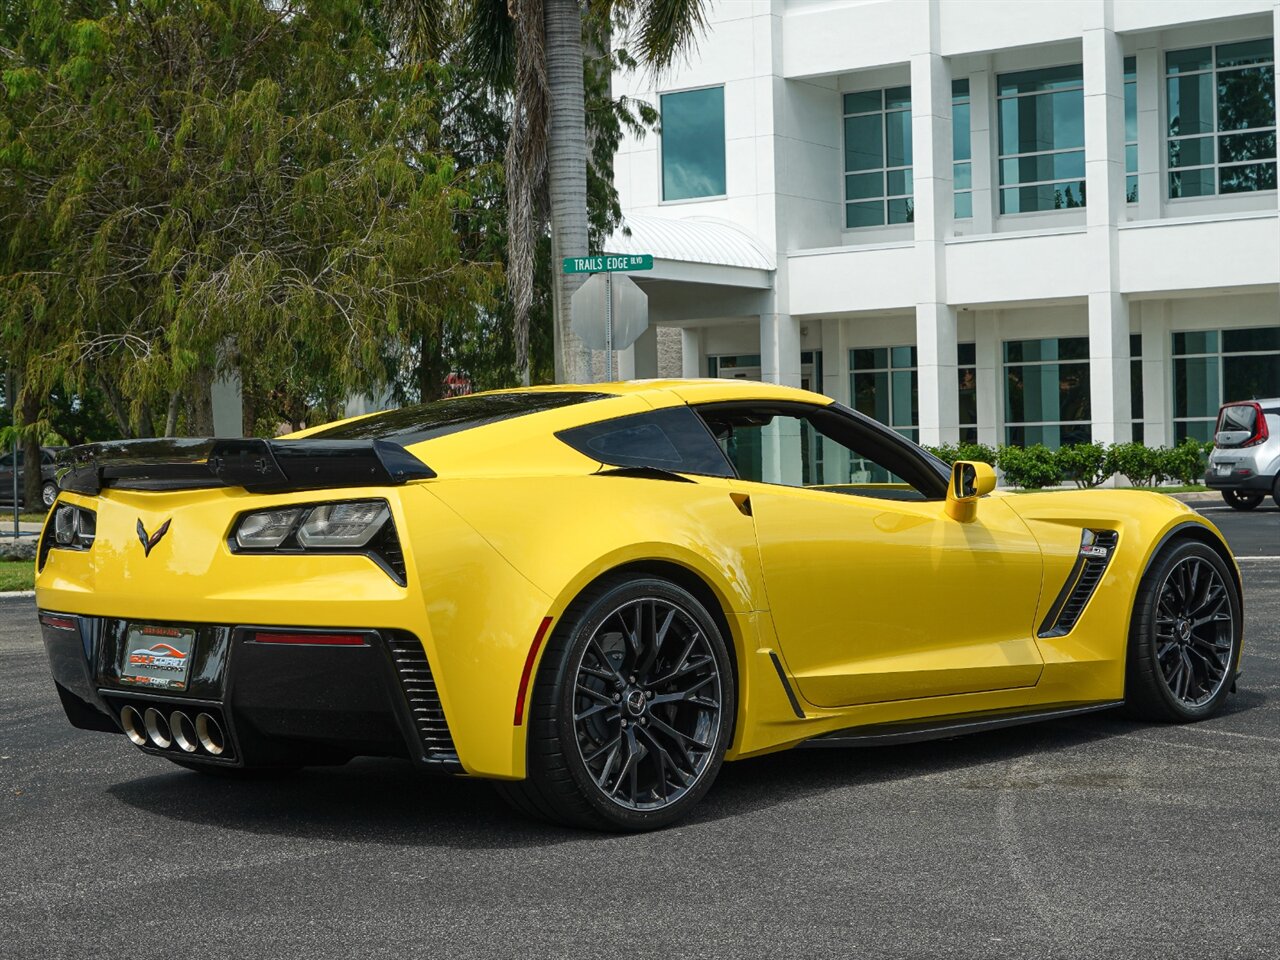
(609, 264)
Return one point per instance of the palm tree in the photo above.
(533, 50)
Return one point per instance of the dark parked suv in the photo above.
(48, 482)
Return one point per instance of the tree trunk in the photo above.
(118, 409)
(202, 403)
(146, 424)
(567, 177)
(171, 416)
(31, 480)
(433, 367)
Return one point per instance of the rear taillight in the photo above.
(1260, 432)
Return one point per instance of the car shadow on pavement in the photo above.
(389, 802)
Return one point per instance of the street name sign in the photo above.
(609, 263)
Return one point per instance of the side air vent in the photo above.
(1096, 548)
(424, 702)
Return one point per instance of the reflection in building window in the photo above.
(1222, 119)
(967, 381)
(877, 158)
(1131, 129)
(885, 384)
(961, 149)
(1213, 367)
(693, 144)
(1041, 116)
(1047, 391)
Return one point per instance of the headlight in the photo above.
(348, 525)
(266, 529)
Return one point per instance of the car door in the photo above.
(6, 478)
(875, 593)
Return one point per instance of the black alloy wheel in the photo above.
(632, 711)
(1244, 499)
(1186, 635)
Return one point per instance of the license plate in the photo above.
(157, 657)
(1223, 469)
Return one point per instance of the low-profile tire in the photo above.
(1184, 641)
(631, 710)
(48, 493)
(1244, 499)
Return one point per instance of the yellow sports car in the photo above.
(595, 595)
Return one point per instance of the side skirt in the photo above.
(886, 734)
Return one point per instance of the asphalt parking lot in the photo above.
(1089, 837)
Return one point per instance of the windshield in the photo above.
(410, 425)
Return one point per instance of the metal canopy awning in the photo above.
(696, 250)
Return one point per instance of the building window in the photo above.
(885, 384)
(1213, 367)
(693, 144)
(1046, 396)
(1222, 119)
(1041, 139)
(1131, 129)
(877, 158)
(961, 150)
(744, 366)
(1135, 386)
(967, 381)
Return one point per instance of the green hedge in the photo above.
(1087, 464)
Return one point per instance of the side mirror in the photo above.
(969, 481)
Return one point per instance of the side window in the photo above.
(671, 439)
(820, 448)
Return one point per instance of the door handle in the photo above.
(743, 502)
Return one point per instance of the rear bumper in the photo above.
(279, 704)
(1240, 478)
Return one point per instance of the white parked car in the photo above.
(1245, 462)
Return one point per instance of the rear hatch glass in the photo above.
(1237, 423)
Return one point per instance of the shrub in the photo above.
(1084, 464)
(1028, 467)
(1184, 463)
(1138, 464)
(947, 453)
(978, 452)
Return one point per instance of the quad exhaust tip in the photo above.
(131, 721)
(184, 732)
(157, 726)
(209, 732)
(151, 728)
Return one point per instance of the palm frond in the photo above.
(664, 30)
(423, 29)
(489, 41)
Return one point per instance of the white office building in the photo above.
(1013, 221)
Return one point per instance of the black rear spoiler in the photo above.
(260, 466)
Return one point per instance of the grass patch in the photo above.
(17, 574)
(26, 516)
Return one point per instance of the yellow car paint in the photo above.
(879, 611)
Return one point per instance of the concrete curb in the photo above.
(1208, 496)
(11, 594)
